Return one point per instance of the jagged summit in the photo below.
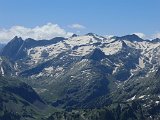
(16, 38)
(74, 35)
(11, 49)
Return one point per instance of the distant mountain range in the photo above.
(85, 77)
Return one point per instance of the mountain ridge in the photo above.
(89, 72)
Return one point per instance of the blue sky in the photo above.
(105, 17)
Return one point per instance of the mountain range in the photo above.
(83, 77)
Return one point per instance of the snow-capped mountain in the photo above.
(128, 54)
(89, 71)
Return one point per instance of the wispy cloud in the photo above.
(47, 31)
(77, 26)
(156, 35)
(151, 36)
(141, 35)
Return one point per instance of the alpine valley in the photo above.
(86, 77)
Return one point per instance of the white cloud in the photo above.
(77, 26)
(157, 35)
(47, 31)
(141, 35)
(151, 36)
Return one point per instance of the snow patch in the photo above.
(49, 69)
(50, 51)
(2, 71)
(133, 98)
(112, 48)
(80, 40)
(140, 97)
(141, 63)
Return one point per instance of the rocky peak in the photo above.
(74, 35)
(96, 54)
(11, 49)
(131, 38)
